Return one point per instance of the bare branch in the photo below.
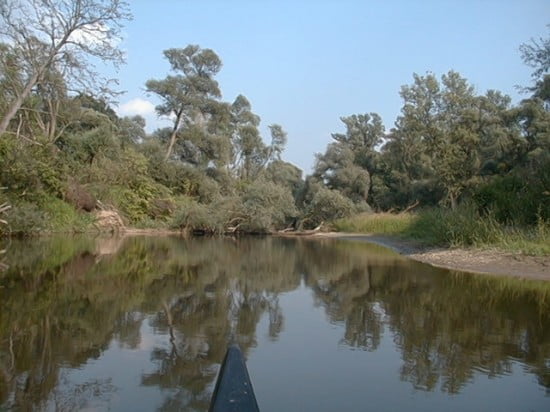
(61, 35)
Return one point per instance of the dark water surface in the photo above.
(142, 324)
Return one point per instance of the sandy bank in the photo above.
(491, 262)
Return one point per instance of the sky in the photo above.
(303, 64)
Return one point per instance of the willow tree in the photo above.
(58, 35)
(187, 96)
(442, 120)
(536, 54)
(246, 140)
(349, 162)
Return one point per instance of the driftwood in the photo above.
(409, 208)
(291, 232)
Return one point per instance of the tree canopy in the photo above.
(64, 151)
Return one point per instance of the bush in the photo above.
(328, 205)
(461, 227)
(31, 170)
(514, 200)
(161, 208)
(25, 219)
(266, 206)
(194, 216)
(261, 207)
(63, 217)
(79, 197)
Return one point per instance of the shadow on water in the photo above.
(67, 303)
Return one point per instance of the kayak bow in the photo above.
(233, 391)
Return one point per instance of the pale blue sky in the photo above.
(304, 64)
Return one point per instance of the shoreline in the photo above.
(478, 261)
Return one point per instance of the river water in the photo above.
(142, 324)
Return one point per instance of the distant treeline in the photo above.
(64, 151)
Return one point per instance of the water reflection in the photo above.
(67, 304)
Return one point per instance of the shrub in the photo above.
(79, 197)
(25, 219)
(194, 216)
(514, 200)
(161, 208)
(328, 205)
(266, 206)
(31, 170)
(460, 227)
(63, 217)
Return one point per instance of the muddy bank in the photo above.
(491, 262)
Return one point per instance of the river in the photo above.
(142, 324)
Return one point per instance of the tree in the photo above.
(442, 120)
(58, 35)
(188, 95)
(249, 152)
(278, 142)
(536, 54)
(349, 162)
(247, 144)
(500, 144)
(285, 174)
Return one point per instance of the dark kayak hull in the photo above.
(233, 391)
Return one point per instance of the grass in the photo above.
(382, 223)
(462, 227)
(62, 217)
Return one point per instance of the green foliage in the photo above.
(266, 206)
(48, 214)
(212, 172)
(194, 216)
(329, 205)
(25, 219)
(465, 227)
(62, 217)
(350, 162)
(260, 208)
(30, 170)
(460, 227)
(511, 201)
(285, 174)
(376, 223)
(191, 93)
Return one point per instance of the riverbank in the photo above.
(475, 260)
(489, 261)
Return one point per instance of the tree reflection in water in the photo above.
(63, 302)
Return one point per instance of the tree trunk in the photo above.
(16, 105)
(173, 136)
(452, 198)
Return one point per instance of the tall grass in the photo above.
(383, 223)
(462, 227)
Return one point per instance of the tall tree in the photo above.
(441, 118)
(278, 142)
(536, 54)
(61, 35)
(189, 93)
(349, 162)
(246, 140)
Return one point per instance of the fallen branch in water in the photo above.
(293, 232)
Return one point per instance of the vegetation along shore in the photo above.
(459, 168)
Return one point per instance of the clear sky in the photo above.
(305, 63)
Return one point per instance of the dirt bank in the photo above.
(492, 262)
